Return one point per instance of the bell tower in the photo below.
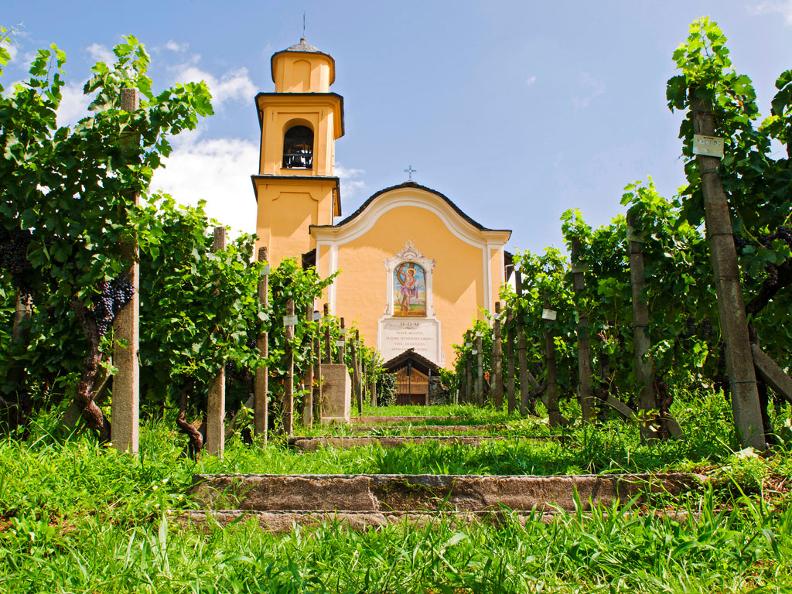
(296, 186)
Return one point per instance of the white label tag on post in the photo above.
(549, 314)
(290, 320)
(708, 146)
(340, 343)
(266, 269)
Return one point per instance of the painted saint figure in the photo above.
(410, 289)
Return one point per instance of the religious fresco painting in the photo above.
(409, 286)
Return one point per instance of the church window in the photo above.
(298, 148)
(409, 284)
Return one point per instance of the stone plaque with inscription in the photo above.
(396, 335)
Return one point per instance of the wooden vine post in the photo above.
(508, 354)
(308, 380)
(459, 394)
(373, 388)
(585, 389)
(479, 352)
(643, 363)
(288, 396)
(526, 400)
(22, 313)
(731, 307)
(125, 407)
(341, 344)
(215, 407)
(551, 389)
(497, 359)
(357, 387)
(328, 351)
(261, 387)
(317, 367)
(469, 376)
(526, 404)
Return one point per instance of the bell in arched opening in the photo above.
(298, 148)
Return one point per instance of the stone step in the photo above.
(428, 493)
(376, 419)
(362, 428)
(284, 521)
(311, 444)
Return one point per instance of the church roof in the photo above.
(303, 46)
(417, 361)
(412, 184)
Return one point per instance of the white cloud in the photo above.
(73, 105)
(782, 7)
(530, 80)
(100, 53)
(175, 46)
(218, 171)
(352, 184)
(232, 86)
(590, 87)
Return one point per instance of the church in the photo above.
(414, 270)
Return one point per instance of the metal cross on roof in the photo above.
(409, 171)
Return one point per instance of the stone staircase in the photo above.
(311, 444)
(278, 502)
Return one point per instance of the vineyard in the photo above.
(161, 385)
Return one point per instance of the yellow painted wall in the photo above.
(318, 115)
(286, 209)
(458, 276)
(302, 72)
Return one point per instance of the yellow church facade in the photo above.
(413, 271)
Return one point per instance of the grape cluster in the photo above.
(784, 234)
(740, 242)
(112, 298)
(13, 250)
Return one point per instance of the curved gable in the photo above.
(416, 195)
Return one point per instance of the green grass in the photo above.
(77, 517)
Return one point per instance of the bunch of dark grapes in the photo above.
(740, 242)
(122, 293)
(13, 250)
(784, 234)
(112, 298)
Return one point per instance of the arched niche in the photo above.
(298, 147)
(409, 284)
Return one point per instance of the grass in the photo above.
(77, 517)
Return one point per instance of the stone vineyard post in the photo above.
(125, 406)
(215, 408)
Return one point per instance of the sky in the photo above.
(516, 110)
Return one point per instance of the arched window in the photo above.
(298, 148)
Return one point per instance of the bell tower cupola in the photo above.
(300, 121)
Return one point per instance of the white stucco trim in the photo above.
(331, 290)
(461, 228)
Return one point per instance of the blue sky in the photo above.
(516, 110)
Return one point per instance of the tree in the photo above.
(745, 198)
(65, 208)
